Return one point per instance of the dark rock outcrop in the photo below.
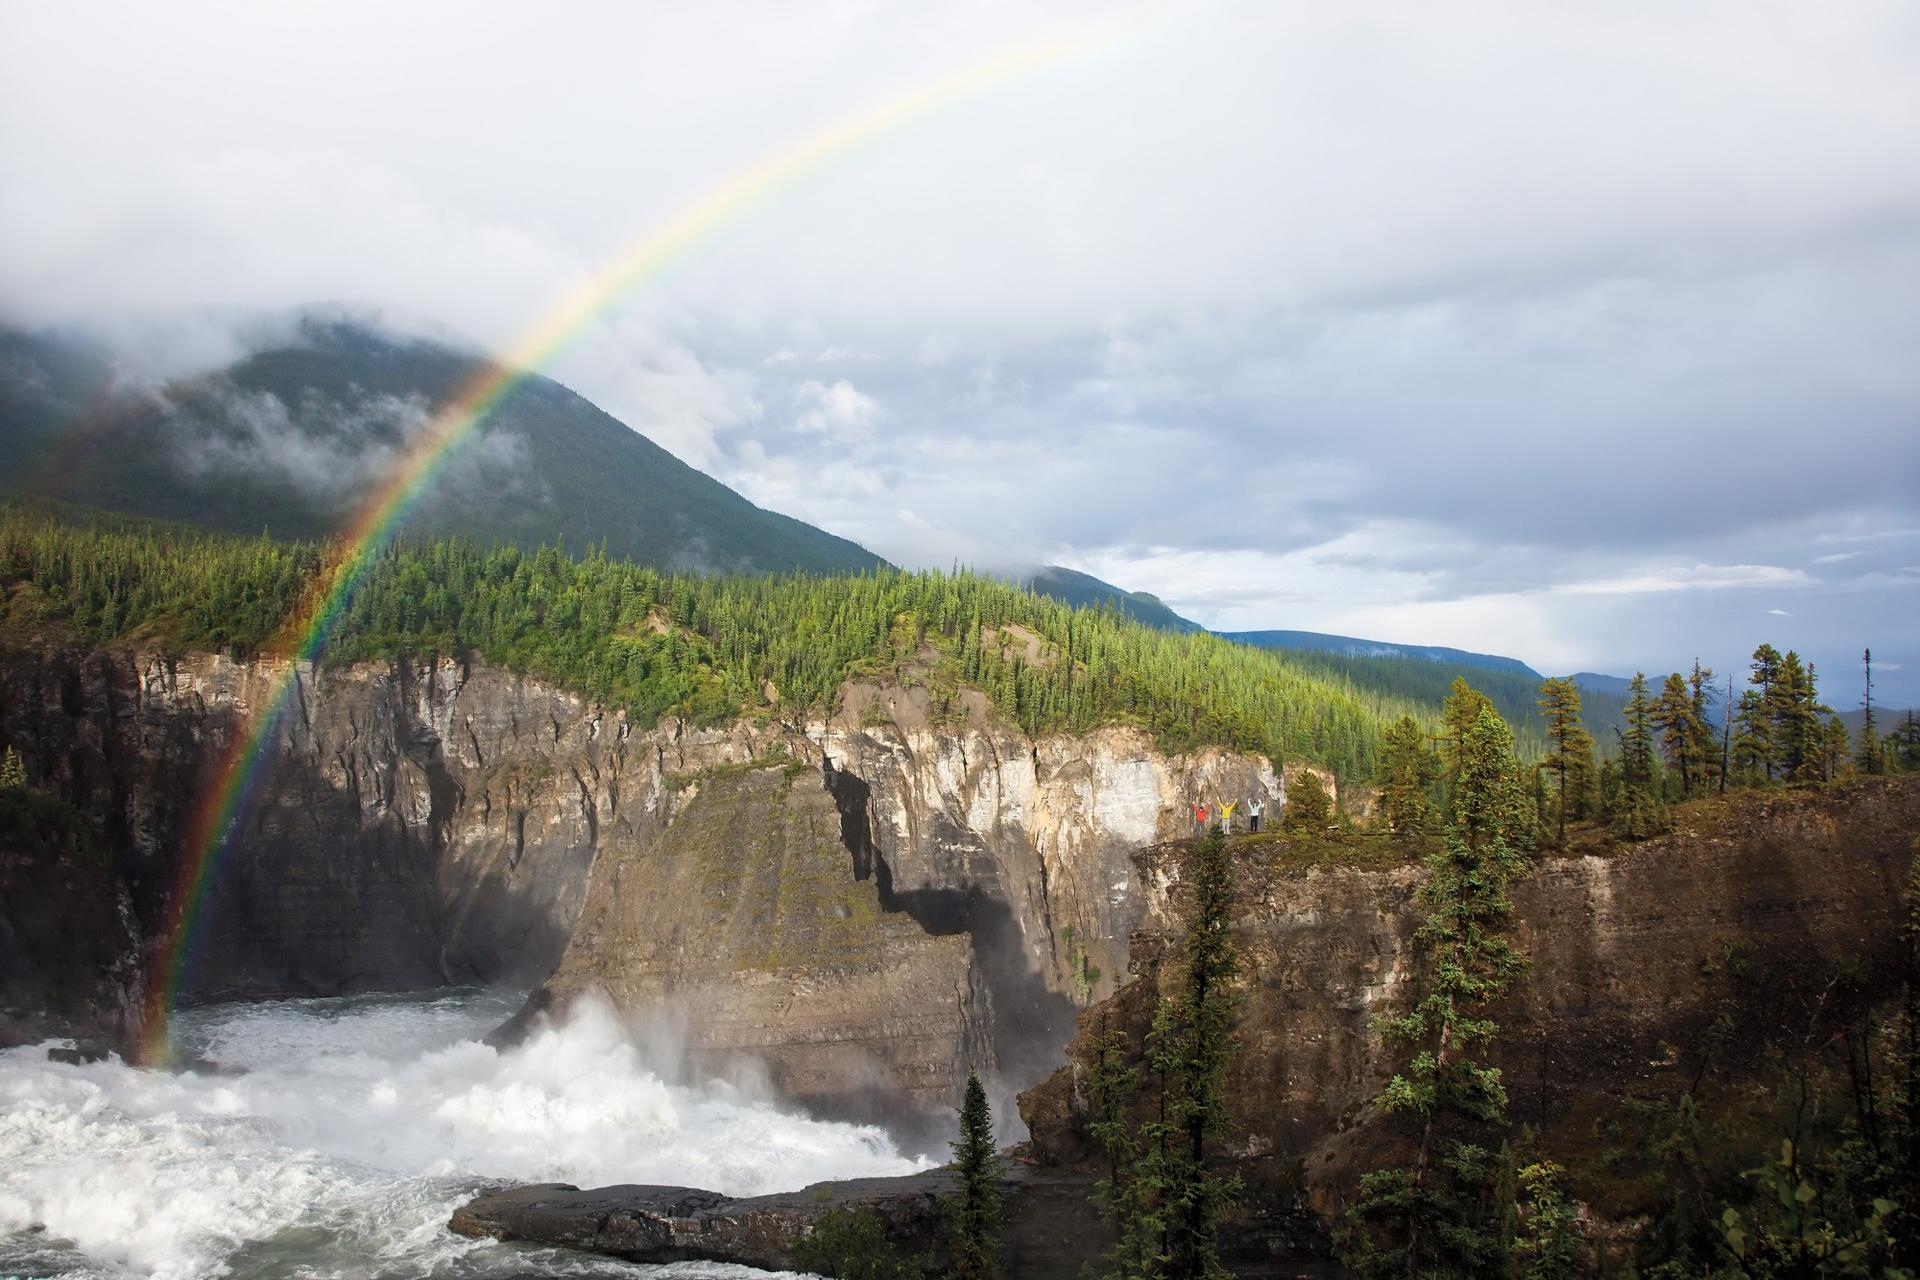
(70, 955)
(743, 920)
(415, 824)
(1049, 1229)
(1746, 914)
(423, 822)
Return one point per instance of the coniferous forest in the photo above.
(703, 647)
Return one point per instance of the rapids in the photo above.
(340, 1134)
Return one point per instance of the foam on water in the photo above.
(352, 1130)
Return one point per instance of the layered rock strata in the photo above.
(742, 922)
(423, 822)
(1744, 918)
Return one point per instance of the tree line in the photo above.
(1670, 747)
(707, 648)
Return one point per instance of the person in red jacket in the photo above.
(1200, 819)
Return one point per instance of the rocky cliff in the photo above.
(425, 822)
(1749, 927)
(742, 923)
(414, 825)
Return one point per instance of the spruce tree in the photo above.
(1197, 1055)
(1408, 770)
(1436, 1216)
(1165, 1196)
(1906, 740)
(1307, 808)
(13, 771)
(1795, 713)
(1570, 758)
(1705, 749)
(1637, 814)
(1457, 716)
(1872, 757)
(1123, 1196)
(1673, 716)
(1836, 751)
(974, 1211)
(1759, 711)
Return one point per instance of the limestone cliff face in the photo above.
(1743, 917)
(414, 824)
(984, 888)
(426, 822)
(743, 922)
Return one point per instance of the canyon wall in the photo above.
(430, 822)
(1753, 924)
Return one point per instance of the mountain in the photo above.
(1353, 647)
(1592, 682)
(1083, 590)
(291, 440)
(1376, 669)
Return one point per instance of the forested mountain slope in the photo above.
(1374, 671)
(708, 647)
(291, 440)
(1083, 590)
(1354, 647)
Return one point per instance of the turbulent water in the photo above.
(341, 1134)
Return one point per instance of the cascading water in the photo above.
(340, 1135)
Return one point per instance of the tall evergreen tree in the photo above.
(1457, 717)
(1129, 1203)
(1757, 746)
(975, 1208)
(1872, 757)
(1166, 1196)
(1705, 749)
(1680, 736)
(1836, 751)
(1196, 1056)
(1408, 770)
(1570, 758)
(1726, 736)
(1906, 742)
(1308, 809)
(13, 771)
(1636, 815)
(1435, 1216)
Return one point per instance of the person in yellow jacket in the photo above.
(1226, 815)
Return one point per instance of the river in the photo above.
(340, 1134)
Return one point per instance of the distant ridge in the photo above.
(1354, 647)
(1083, 590)
(290, 439)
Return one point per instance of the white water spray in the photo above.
(350, 1131)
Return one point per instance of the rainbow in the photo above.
(239, 769)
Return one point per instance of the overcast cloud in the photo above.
(1586, 336)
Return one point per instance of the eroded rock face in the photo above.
(742, 921)
(1047, 1232)
(414, 824)
(1025, 843)
(1748, 916)
(418, 823)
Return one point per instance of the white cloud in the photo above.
(1699, 577)
(837, 410)
(1513, 327)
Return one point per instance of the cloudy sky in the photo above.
(1589, 335)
